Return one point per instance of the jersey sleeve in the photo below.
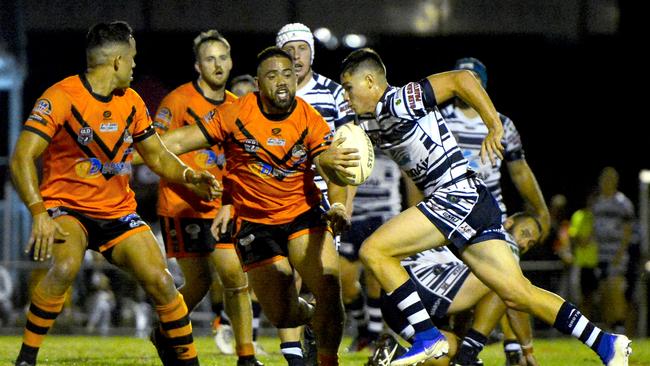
(320, 136)
(514, 149)
(344, 113)
(412, 101)
(49, 113)
(168, 112)
(214, 123)
(142, 126)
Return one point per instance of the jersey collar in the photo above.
(86, 84)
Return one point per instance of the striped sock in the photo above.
(375, 320)
(472, 345)
(407, 301)
(355, 308)
(176, 326)
(257, 311)
(43, 310)
(569, 320)
(292, 352)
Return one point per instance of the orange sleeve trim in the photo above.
(125, 235)
(224, 246)
(299, 233)
(264, 262)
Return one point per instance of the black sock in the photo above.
(472, 345)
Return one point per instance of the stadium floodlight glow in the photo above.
(326, 37)
(354, 40)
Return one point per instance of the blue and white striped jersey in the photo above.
(326, 96)
(379, 196)
(470, 132)
(410, 129)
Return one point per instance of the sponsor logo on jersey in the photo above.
(206, 159)
(43, 106)
(208, 117)
(128, 138)
(165, 116)
(107, 114)
(85, 136)
(420, 167)
(193, 230)
(108, 127)
(275, 141)
(36, 118)
(299, 154)
(413, 95)
(251, 145)
(276, 131)
(265, 171)
(93, 168)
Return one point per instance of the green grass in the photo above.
(90, 350)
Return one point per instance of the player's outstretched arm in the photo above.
(25, 178)
(167, 165)
(526, 183)
(521, 326)
(462, 84)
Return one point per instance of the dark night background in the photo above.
(573, 93)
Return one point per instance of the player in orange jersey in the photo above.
(86, 127)
(185, 218)
(271, 138)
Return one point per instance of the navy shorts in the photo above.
(352, 239)
(260, 244)
(465, 213)
(103, 234)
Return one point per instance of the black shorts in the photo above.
(260, 244)
(195, 238)
(102, 234)
(352, 239)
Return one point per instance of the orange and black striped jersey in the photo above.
(86, 165)
(184, 106)
(269, 157)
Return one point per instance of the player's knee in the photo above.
(368, 254)
(65, 271)
(159, 283)
(234, 279)
(517, 296)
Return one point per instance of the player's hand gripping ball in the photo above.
(355, 137)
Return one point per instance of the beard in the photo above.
(283, 103)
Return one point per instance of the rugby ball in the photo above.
(355, 137)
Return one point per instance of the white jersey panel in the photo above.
(470, 132)
(379, 195)
(416, 137)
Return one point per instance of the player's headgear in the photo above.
(296, 32)
(472, 64)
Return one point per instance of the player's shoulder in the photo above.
(180, 94)
(326, 83)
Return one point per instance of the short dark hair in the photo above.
(272, 51)
(364, 57)
(522, 215)
(101, 34)
(207, 36)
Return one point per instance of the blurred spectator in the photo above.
(585, 255)
(100, 305)
(242, 85)
(560, 243)
(613, 219)
(6, 290)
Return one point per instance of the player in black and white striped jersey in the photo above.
(469, 130)
(458, 208)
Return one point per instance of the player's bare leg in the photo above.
(48, 295)
(493, 264)
(236, 297)
(140, 255)
(315, 258)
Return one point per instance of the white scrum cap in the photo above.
(295, 32)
